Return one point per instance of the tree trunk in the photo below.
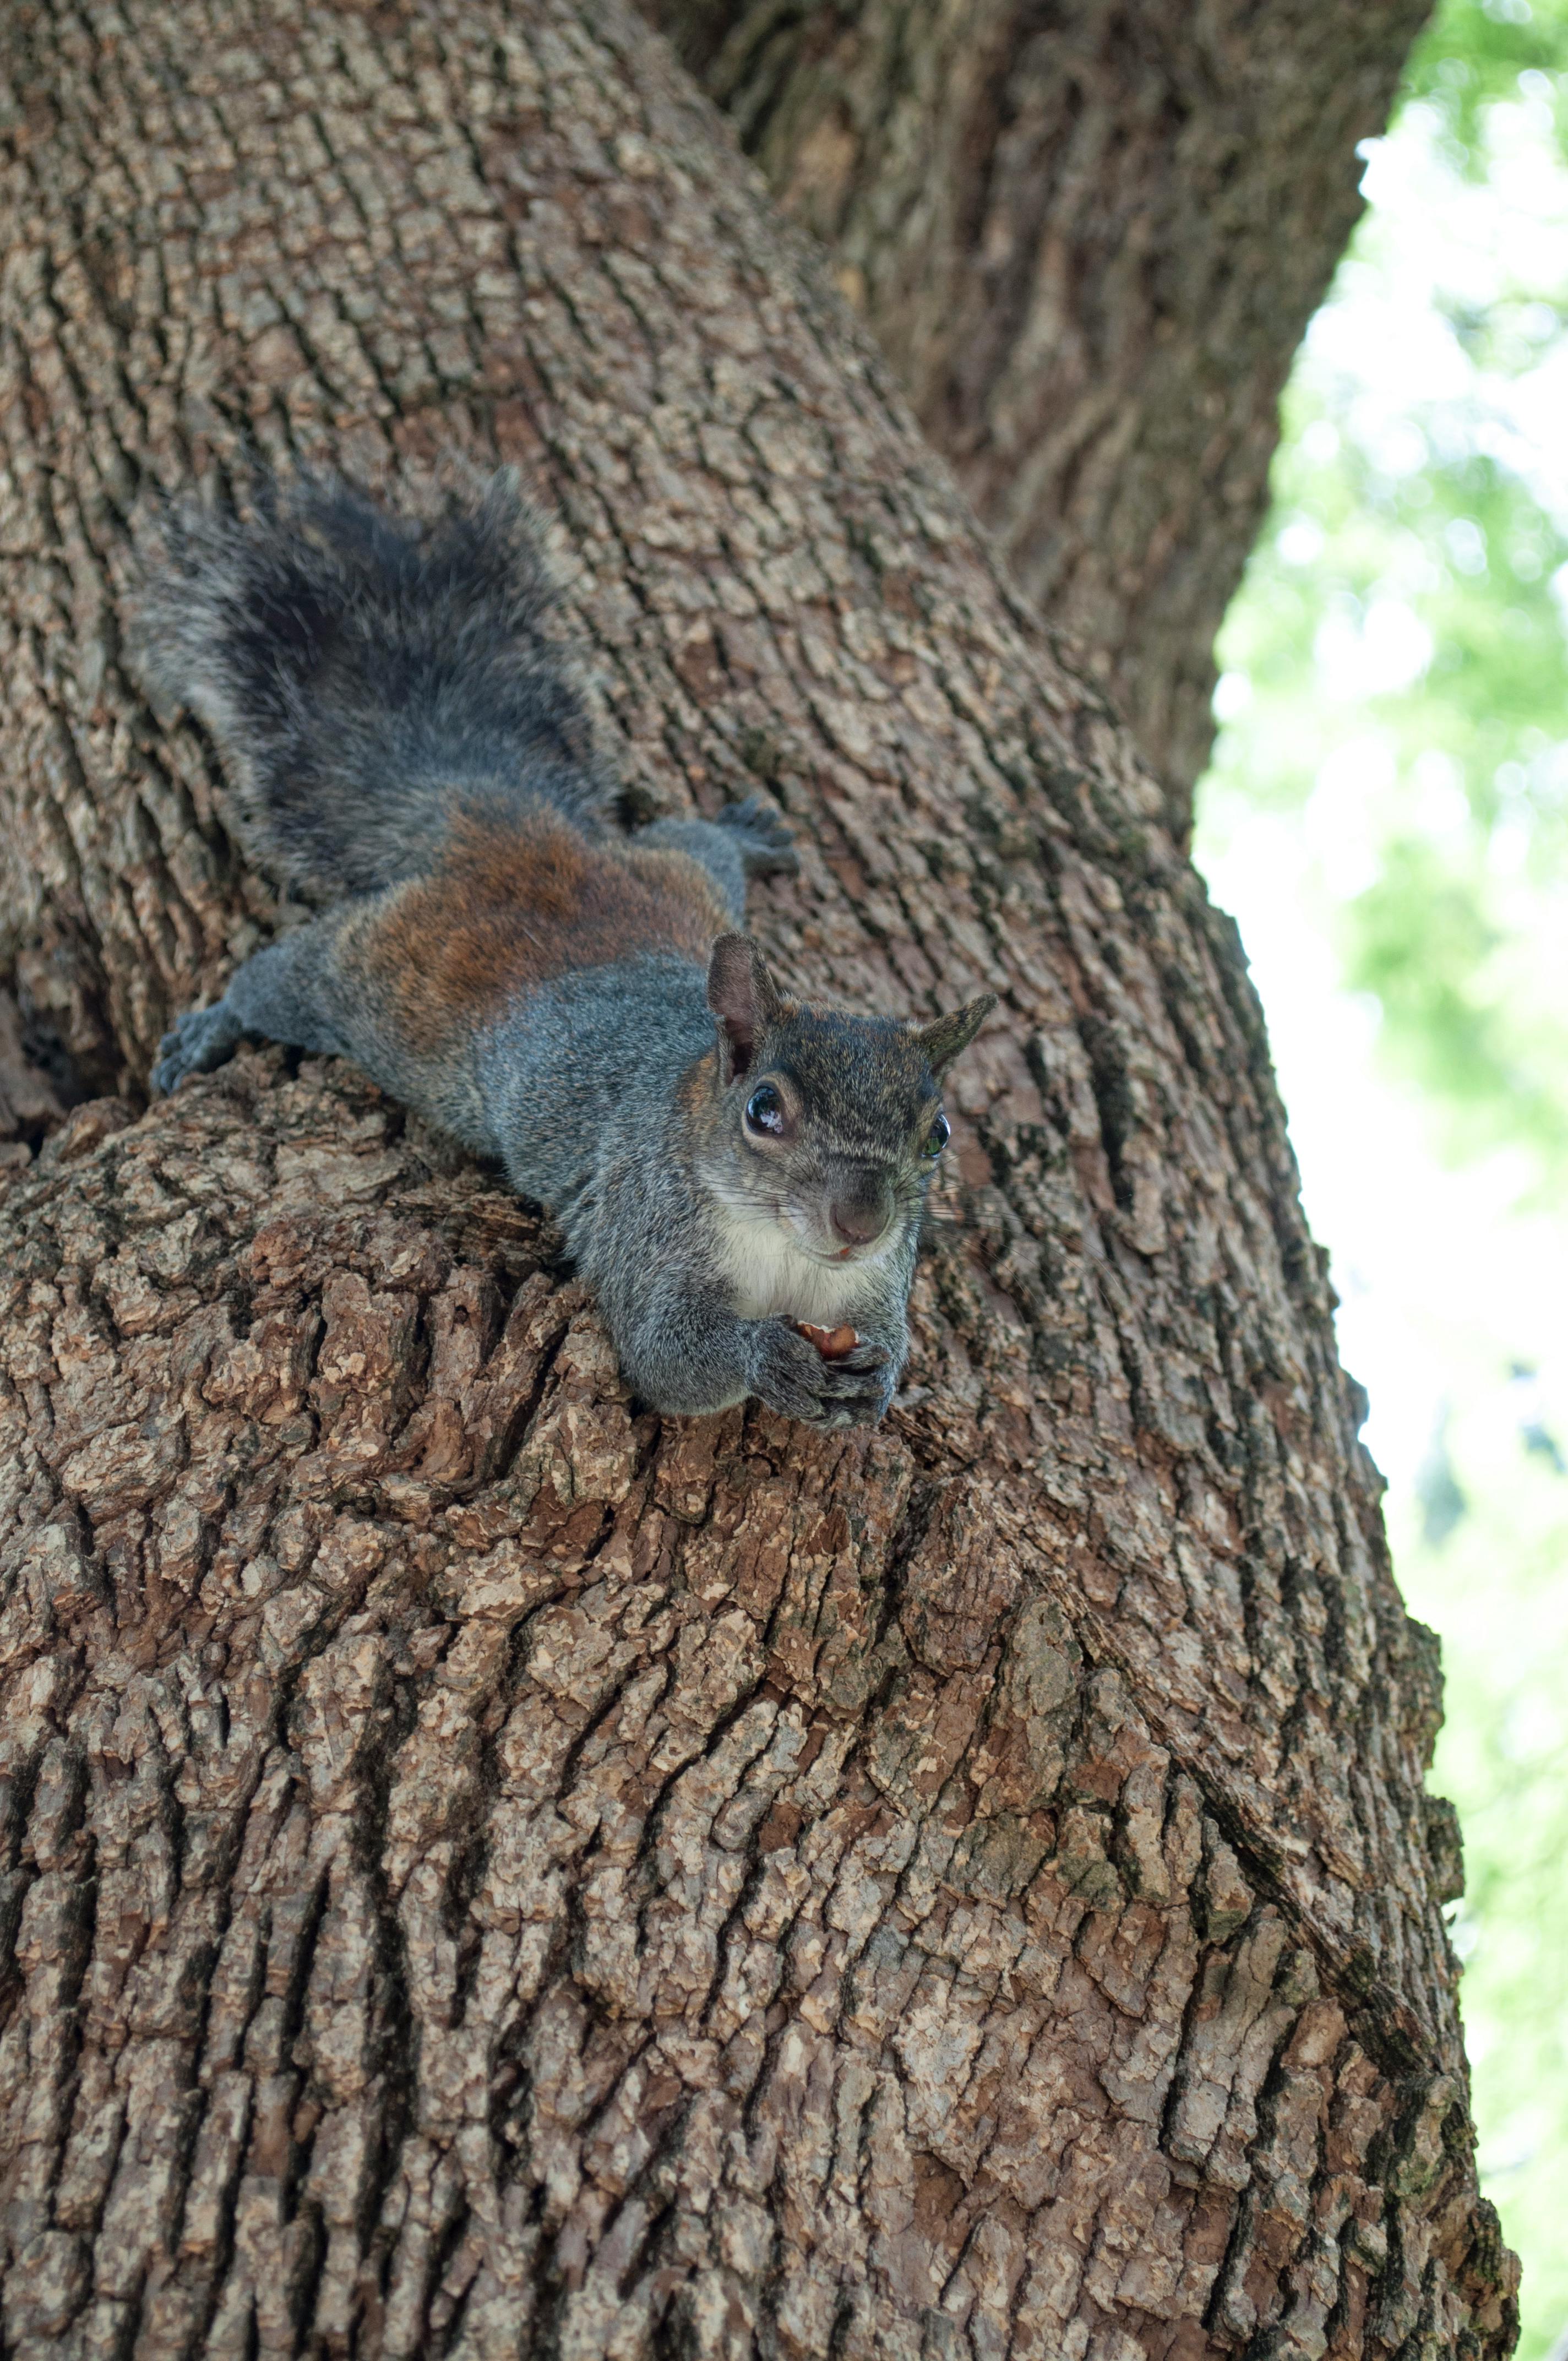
(498, 1874)
(1089, 237)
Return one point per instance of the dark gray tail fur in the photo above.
(367, 676)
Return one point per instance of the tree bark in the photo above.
(494, 1872)
(1089, 237)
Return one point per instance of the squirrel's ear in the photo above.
(943, 1040)
(743, 998)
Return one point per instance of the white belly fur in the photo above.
(771, 1276)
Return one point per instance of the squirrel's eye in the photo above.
(764, 1113)
(936, 1138)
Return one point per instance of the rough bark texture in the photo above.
(495, 1874)
(1089, 237)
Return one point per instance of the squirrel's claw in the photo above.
(789, 1374)
(862, 1357)
(764, 840)
(198, 1040)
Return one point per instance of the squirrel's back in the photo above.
(370, 678)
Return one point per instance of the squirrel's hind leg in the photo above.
(278, 994)
(198, 1040)
(747, 840)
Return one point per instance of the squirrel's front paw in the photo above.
(201, 1040)
(790, 1375)
(762, 836)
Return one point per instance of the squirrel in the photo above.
(729, 1166)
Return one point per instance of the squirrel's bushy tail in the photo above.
(367, 675)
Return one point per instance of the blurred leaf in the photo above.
(1473, 52)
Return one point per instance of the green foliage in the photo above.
(1422, 941)
(1474, 53)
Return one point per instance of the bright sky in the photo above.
(1443, 1286)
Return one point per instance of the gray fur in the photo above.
(617, 1094)
(749, 840)
(602, 1053)
(367, 675)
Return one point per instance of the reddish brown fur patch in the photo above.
(513, 906)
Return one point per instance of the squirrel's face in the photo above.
(827, 1124)
(842, 1171)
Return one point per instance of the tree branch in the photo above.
(1089, 238)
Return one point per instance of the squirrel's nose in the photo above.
(860, 1218)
